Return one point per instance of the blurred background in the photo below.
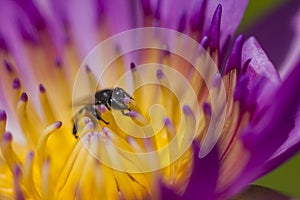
(269, 21)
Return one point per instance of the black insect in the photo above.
(111, 99)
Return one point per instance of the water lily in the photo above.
(46, 50)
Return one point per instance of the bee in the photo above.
(111, 99)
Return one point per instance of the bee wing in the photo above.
(88, 100)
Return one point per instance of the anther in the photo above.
(16, 83)
(2, 115)
(8, 66)
(132, 66)
(42, 88)
(24, 97)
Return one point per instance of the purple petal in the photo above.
(234, 60)
(233, 11)
(260, 72)
(54, 26)
(181, 22)
(204, 42)
(214, 29)
(146, 6)
(81, 17)
(198, 15)
(260, 65)
(204, 176)
(266, 135)
(241, 92)
(41, 15)
(171, 12)
(10, 15)
(121, 15)
(32, 12)
(279, 34)
(289, 148)
(166, 193)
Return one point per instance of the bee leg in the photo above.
(124, 113)
(98, 116)
(130, 97)
(104, 121)
(107, 106)
(75, 131)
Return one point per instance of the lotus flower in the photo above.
(200, 126)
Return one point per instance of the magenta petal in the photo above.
(171, 13)
(32, 12)
(182, 22)
(279, 34)
(10, 15)
(289, 148)
(14, 19)
(233, 11)
(286, 151)
(274, 129)
(259, 69)
(198, 15)
(214, 29)
(265, 136)
(41, 15)
(234, 60)
(247, 98)
(146, 6)
(204, 176)
(260, 65)
(54, 27)
(121, 15)
(166, 193)
(81, 16)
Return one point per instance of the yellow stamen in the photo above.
(138, 118)
(29, 121)
(72, 173)
(41, 145)
(173, 149)
(229, 83)
(46, 107)
(186, 132)
(29, 183)
(46, 182)
(2, 123)
(17, 183)
(68, 168)
(8, 152)
(87, 128)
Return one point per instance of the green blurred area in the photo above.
(257, 9)
(286, 178)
